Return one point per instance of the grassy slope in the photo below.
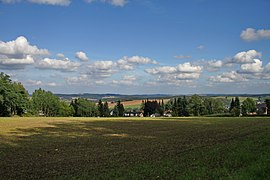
(189, 148)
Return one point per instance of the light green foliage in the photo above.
(65, 110)
(84, 108)
(248, 106)
(45, 103)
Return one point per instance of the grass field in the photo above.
(135, 148)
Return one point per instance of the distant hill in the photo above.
(122, 97)
(112, 97)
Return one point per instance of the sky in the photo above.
(137, 46)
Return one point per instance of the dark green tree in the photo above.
(236, 110)
(119, 109)
(84, 108)
(196, 105)
(267, 102)
(13, 97)
(232, 105)
(100, 108)
(151, 107)
(106, 109)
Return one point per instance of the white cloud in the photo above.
(255, 67)
(78, 80)
(188, 68)
(16, 63)
(126, 80)
(124, 65)
(228, 77)
(128, 63)
(267, 68)
(52, 84)
(20, 48)
(102, 65)
(162, 70)
(34, 83)
(214, 65)
(101, 69)
(119, 3)
(40, 83)
(246, 57)
(251, 34)
(179, 74)
(186, 76)
(52, 2)
(129, 78)
(60, 55)
(62, 65)
(81, 56)
(180, 68)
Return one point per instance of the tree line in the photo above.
(196, 105)
(15, 100)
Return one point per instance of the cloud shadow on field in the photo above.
(70, 148)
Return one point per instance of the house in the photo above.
(155, 115)
(261, 109)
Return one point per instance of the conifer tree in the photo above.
(106, 109)
(100, 108)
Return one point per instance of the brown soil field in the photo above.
(133, 103)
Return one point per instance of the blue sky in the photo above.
(137, 46)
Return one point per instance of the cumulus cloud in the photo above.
(34, 83)
(162, 70)
(62, 65)
(52, 2)
(246, 57)
(81, 56)
(128, 63)
(119, 3)
(20, 48)
(267, 68)
(255, 67)
(78, 80)
(185, 76)
(101, 69)
(251, 34)
(126, 80)
(188, 68)
(228, 77)
(31, 82)
(180, 68)
(182, 73)
(16, 63)
(214, 65)
(60, 55)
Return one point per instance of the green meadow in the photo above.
(135, 148)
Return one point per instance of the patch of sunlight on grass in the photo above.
(123, 135)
